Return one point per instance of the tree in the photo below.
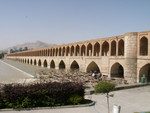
(105, 87)
(20, 49)
(2, 55)
(25, 48)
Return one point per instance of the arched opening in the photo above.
(51, 52)
(145, 71)
(144, 46)
(67, 51)
(74, 66)
(54, 52)
(89, 49)
(59, 51)
(45, 63)
(31, 61)
(117, 70)
(93, 67)
(39, 63)
(96, 49)
(113, 48)
(83, 50)
(63, 54)
(48, 52)
(72, 50)
(44, 53)
(121, 48)
(52, 64)
(105, 48)
(25, 61)
(34, 62)
(28, 61)
(77, 50)
(61, 65)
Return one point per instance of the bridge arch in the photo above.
(35, 62)
(45, 63)
(83, 48)
(117, 70)
(31, 61)
(105, 48)
(56, 51)
(89, 49)
(53, 51)
(143, 46)
(72, 50)
(67, 51)
(52, 64)
(92, 67)
(113, 48)
(28, 61)
(96, 49)
(63, 52)
(77, 51)
(62, 65)
(39, 63)
(74, 65)
(60, 51)
(121, 47)
(145, 70)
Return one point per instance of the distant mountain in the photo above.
(29, 45)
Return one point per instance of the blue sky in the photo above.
(66, 21)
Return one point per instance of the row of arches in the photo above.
(62, 65)
(112, 48)
(117, 69)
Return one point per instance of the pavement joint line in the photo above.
(17, 69)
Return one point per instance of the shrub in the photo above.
(75, 99)
(2, 105)
(42, 94)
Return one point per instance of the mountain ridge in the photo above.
(30, 45)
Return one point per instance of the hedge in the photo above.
(41, 94)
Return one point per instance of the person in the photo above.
(93, 74)
(98, 75)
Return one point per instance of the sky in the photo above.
(67, 21)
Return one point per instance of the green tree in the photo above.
(105, 87)
(2, 55)
(20, 49)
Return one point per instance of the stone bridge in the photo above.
(126, 56)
